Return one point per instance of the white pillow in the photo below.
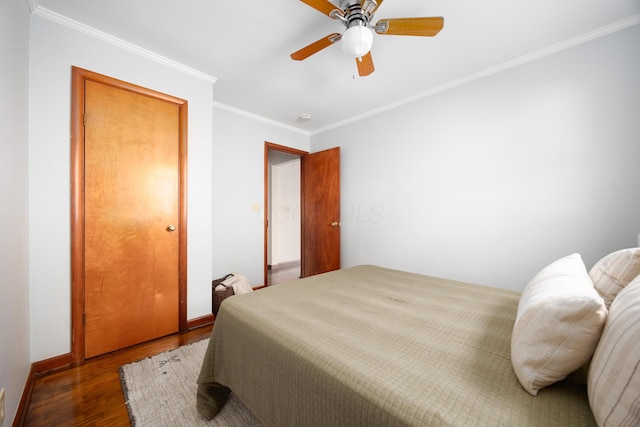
(558, 324)
(614, 271)
(614, 377)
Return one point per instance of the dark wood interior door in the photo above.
(320, 212)
(131, 217)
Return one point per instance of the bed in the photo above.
(367, 346)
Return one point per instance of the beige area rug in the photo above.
(161, 391)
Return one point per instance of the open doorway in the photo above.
(282, 213)
(319, 207)
(284, 218)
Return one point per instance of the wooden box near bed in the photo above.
(369, 346)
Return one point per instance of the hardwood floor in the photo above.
(90, 394)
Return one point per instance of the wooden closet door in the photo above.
(131, 197)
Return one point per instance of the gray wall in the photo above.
(238, 184)
(226, 169)
(54, 49)
(490, 181)
(14, 214)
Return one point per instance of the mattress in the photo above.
(370, 346)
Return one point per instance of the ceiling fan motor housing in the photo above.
(354, 15)
(346, 4)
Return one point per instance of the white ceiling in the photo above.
(246, 44)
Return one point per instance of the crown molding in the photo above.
(45, 13)
(259, 118)
(36, 9)
(550, 50)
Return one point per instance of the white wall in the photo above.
(54, 49)
(14, 265)
(238, 183)
(285, 212)
(490, 181)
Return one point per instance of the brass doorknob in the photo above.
(171, 228)
(335, 224)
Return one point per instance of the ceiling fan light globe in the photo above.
(357, 41)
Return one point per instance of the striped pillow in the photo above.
(613, 272)
(614, 377)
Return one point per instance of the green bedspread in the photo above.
(369, 346)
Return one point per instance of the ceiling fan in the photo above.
(356, 16)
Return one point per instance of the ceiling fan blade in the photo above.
(315, 47)
(369, 6)
(323, 6)
(427, 27)
(365, 65)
